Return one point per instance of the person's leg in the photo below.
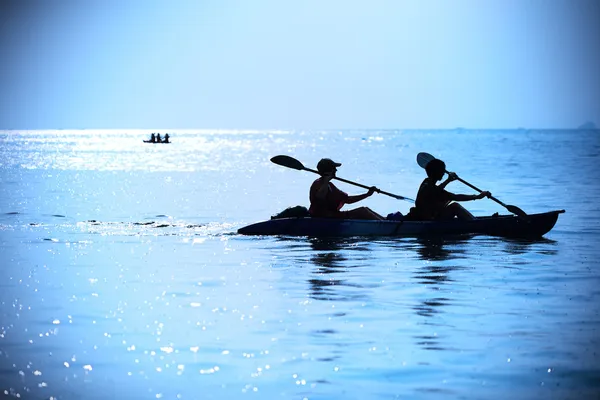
(374, 214)
(458, 211)
(362, 213)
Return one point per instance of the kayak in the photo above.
(149, 141)
(531, 226)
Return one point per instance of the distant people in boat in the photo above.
(156, 138)
(326, 199)
(434, 202)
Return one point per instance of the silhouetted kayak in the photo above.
(149, 141)
(533, 226)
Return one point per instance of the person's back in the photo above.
(166, 138)
(158, 139)
(431, 199)
(328, 204)
(152, 138)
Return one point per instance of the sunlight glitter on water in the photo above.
(133, 274)
(115, 150)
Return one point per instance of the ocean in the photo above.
(122, 275)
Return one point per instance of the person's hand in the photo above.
(452, 176)
(372, 190)
(484, 194)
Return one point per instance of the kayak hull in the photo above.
(533, 226)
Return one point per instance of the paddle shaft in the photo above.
(363, 186)
(290, 162)
(479, 190)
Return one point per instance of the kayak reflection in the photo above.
(330, 261)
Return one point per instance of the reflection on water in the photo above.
(331, 263)
(439, 248)
(524, 246)
(435, 274)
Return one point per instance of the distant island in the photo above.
(588, 126)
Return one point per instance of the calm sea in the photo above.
(122, 276)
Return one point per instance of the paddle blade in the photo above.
(287, 161)
(423, 159)
(516, 210)
(398, 197)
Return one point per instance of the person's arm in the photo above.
(469, 197)
(461, 197)
(359, 197)
(451, 178)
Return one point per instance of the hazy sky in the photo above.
(292, 64)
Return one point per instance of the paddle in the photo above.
(289, 162)
(424, 158)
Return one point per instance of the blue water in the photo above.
(122, 276)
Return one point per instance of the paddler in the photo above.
(434, 202)
(326, 200)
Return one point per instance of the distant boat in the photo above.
(150, 141)
(157, 139)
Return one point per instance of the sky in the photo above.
(311, 64)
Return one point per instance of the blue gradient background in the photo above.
(312, 64)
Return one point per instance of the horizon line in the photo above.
(581, 127)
